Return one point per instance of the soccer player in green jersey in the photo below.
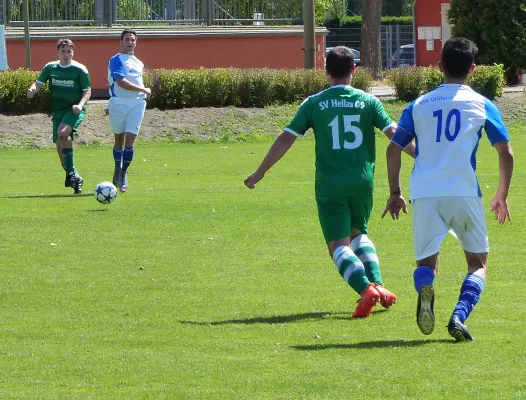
(343, 120)
(69, 83)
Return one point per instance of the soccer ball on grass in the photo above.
(105, 192)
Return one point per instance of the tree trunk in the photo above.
(370, 42)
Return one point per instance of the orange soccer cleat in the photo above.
(387, 299)
(368, 299)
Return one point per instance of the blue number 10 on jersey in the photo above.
(453, 117)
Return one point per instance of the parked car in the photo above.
(355, 52)
(404, 56)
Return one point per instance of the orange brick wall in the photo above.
(282, 52)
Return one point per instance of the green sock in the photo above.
(351, 268)
(366, 252)
(69, 161)
(64, 167)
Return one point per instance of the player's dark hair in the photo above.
(458, 55)
(65, 42)
(339, 62)
(128, 30)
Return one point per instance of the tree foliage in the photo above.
(497, 27)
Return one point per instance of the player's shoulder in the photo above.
(52, 64)
(80, 66)
(116, 57)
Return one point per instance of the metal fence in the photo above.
(169, 12)
(393, 37)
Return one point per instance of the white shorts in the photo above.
(126, 114)
(433, 217)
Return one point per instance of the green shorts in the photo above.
(339, 215)
(66, 118)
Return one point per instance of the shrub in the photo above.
(432, 78)
(238, 87)
(362, 79)
(13, 92)
(172, 89)
(488, 80)
(355, 21)
(408, 82)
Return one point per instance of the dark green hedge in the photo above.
(411, 82)
(13, 92)
(194, 88)
(356, 21)
(223, 87)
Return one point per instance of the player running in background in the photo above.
(126, 105)
(343, 119)
(69, 84)
(444, 192)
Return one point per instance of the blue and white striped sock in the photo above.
(117, 157)
(127, 158)
(469, 296)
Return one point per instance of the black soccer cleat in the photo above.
(70, 180)
(123, 185)
(458, 330)
(77, 187)
(117, 176)
(425, 317)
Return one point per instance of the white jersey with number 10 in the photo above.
(446, 125)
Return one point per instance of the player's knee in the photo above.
(64, 132)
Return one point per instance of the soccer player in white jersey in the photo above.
(445, 195)
(126, 105)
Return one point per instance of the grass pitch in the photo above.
(191, 286)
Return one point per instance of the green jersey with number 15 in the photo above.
(343, 120)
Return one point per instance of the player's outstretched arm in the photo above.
(126, 84)
(278, 149)
(33, 89)
(396, 202)
(499, 204)
(77, 108)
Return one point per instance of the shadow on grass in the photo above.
(372, 345)
(45, 196)
(276, 319)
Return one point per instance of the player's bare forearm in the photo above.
(126, 84)
(505, 167)
(85, 97)
(281, 145)
(278, 149)
(394, 165)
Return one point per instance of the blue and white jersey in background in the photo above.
(129, 67)
(446, 125)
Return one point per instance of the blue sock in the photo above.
(117, 156)
(469, 296)
(423, 275)
(127, 158)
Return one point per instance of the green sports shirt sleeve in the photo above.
(302, 120)
(381, 119)
(44, 75)
(84, 80)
